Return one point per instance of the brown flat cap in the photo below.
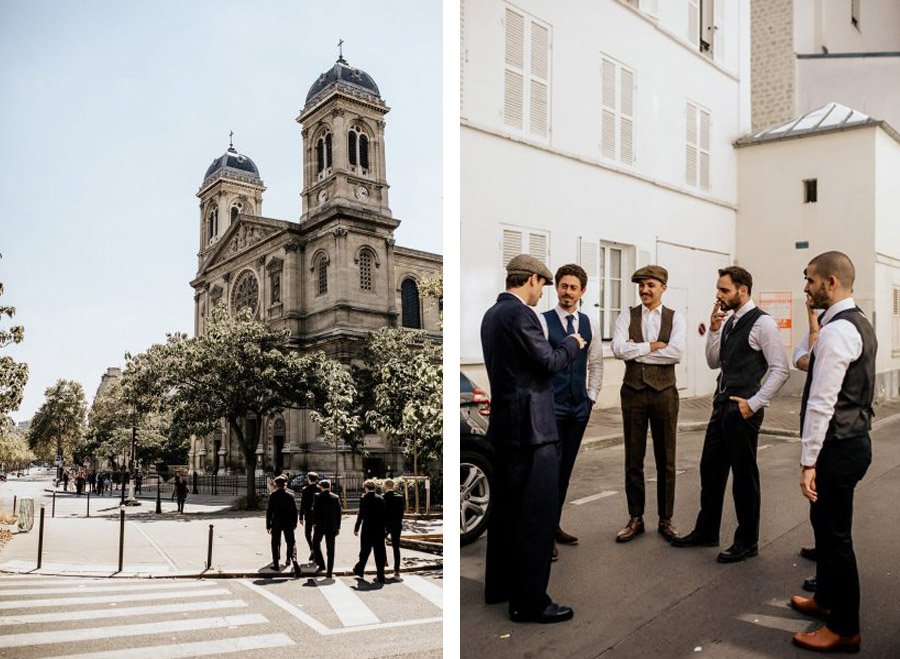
(525, 264)
(651, 272)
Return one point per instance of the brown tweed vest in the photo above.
(655, 376)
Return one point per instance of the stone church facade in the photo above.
(330, 278)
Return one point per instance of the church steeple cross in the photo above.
(340, 50)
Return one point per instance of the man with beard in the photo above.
(575, 388)
(520, 364)
(835, 417)
(747, 346)
(650, 339)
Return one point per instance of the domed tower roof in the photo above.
(343, 74)
(232, 164)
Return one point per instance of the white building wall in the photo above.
(563, 185)
(828, 23)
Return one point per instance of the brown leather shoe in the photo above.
(825, 640)
(564, 538)
(634, 528)
(809, 607)
(667, 530)
(555, 556)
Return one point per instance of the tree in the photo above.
(14, 451)
(239, 370)
(335, 412)
(13, 374)
(58, 426)
(408, 392)
(433, 288)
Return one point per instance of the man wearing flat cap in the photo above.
(520, 363)
(650, 339)
(281, 517)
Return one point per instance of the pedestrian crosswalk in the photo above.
(44, 616)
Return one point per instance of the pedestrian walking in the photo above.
(138, 479)
(180, 491)
(836, 451)
(99, 484)
(79, 483)
(92, 481)
(746, 347)
(281, 518)
(307, 496)
(371, 519)
(109, 483)
(395, 506)
(575, 389)
(520, 364)
(65, 480)
(326, 522)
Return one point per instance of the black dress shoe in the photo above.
(809, 584)
(737, 553)
(553, 613)
(809, 553)
(693, 539)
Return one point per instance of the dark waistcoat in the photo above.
(570, 384)
(853, 410)
(743, 367)
(655, 376)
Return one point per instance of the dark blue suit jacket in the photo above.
(520, 363)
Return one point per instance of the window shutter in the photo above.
(514, 78)
(540, 75)
(512, 98)
(539, 108)
(690, 170)
(587, 257)
(718, 36)
(537, 246)
(693, 26)
(895, 343)
(515, 40)
(608, 143)
(626, 126)
(704, 150)
(512, 245)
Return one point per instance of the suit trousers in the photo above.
(730, 444)
(659, 410)
(524, 515)
(372, 543)
(570, 426)
(308, 534)
(395, 545)
(840, 466)
(318, 535)
(276, 543)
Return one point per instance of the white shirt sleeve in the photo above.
(801, 350)
(544, 328)
(595, 369)
(764, 336)
(838, 345)
(623, 348)
(712, 347)
(674, 350)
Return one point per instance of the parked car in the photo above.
(476, 456)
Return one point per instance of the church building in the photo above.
(330, 278)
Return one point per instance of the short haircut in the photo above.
(739, 276)
(325, 485)
(574, 270)
(313, 477)
(389, 484)
(835, 264)
(514, 280)
(369, 484)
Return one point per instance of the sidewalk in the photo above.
(175, 545)
(782, 418)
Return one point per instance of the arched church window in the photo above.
(409, 302)
(236, 209)
(358, 149)
(246, 293)
(323, 155)
(321, 274)
(365, 270)
(212, 225)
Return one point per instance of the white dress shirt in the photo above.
(651, 320)
(838, 345)
(764, 336)
(595, 351)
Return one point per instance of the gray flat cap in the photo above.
(651, 272)
(525, 264)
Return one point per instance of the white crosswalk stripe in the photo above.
(101, 588)
(427, 589)
(102, 599)
(199, 649)
(94, 613)
(349, 608)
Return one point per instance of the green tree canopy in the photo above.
(13, 374)
(58, 425)
(14, 450)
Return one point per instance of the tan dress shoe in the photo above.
(809, 607)
(564, 538)
(634, 528)
(825, 640)
(667, 530)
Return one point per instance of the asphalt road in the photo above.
(646, 598)
(63, 616)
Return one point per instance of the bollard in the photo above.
(15, 501)
(53, 510)
(41, 539)
(89, 503)
(121, 536)
(209, 549)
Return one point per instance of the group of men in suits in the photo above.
(545, 373)
(379, 517)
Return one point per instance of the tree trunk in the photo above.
(248, 444)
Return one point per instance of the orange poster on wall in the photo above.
(778, 305)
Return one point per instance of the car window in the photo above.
(466, 386)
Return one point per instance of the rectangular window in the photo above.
(617, 114)
(810, 191)
(518, 240)
(895, 321)
(526, 76)
(697, 147)
(614, 292)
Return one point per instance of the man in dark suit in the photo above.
(520, 363)
(371, 519)
(326, 520)
(395, 506)
(281, 517)
(307, 495)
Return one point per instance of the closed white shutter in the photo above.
(626, 108)
(538, 246)
(587, 257)
(608, 143)
(526, 82)
(512, 245)
(513, 98)
(718, 37)
(690, 167)
(704, 150)
(693, 22)
(540, 79)
(514, 75)
(895, 335)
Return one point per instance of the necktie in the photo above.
(570, 325)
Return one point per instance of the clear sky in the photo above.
(110, 113)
